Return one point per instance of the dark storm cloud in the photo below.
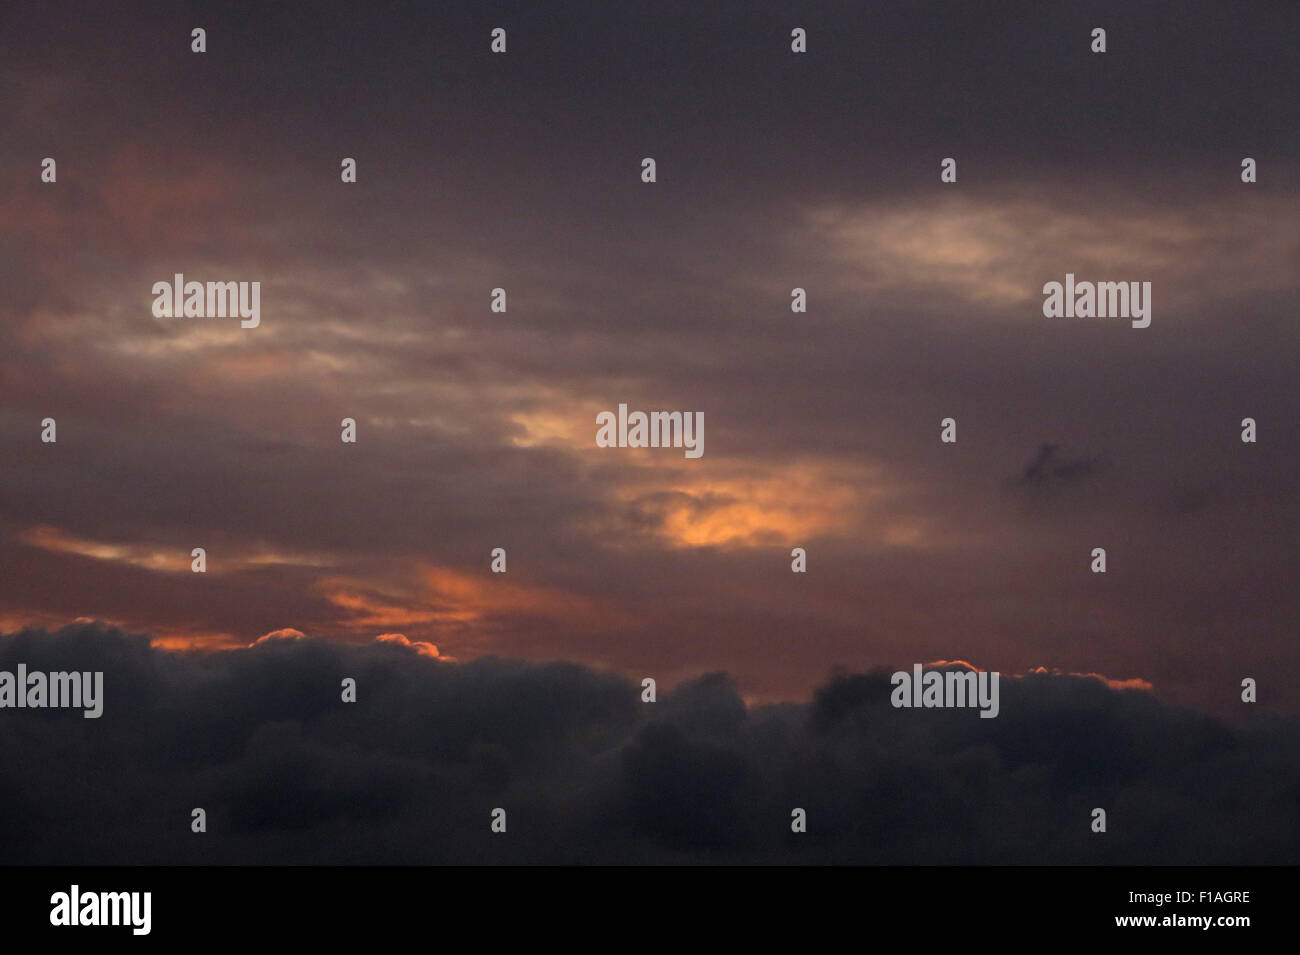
(588, 773)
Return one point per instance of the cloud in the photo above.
(258, 737)
(1048, 469)
(996, 251)
(286, 633)
(1132, 683)
(422, 647)
(156, 558)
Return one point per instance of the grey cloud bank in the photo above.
(588, 773)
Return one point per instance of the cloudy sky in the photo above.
(476, 429)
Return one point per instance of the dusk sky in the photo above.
(476, 429)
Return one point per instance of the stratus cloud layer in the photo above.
(992, 250)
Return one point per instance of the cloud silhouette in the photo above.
(1049, 469)
(588, 773)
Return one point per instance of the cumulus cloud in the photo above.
(1131, 683)
(258, 736)
(422, 647)
(284, 633)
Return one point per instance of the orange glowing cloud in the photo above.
(1134, 683)
(285, 633)
(429, 597)
(421, 647)
(768, 505)
(733, 503)
(1130, 684)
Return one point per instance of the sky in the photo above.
(476, 429)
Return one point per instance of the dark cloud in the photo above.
(1049, 468)
(588, 773)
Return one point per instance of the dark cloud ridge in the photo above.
(588, 773)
